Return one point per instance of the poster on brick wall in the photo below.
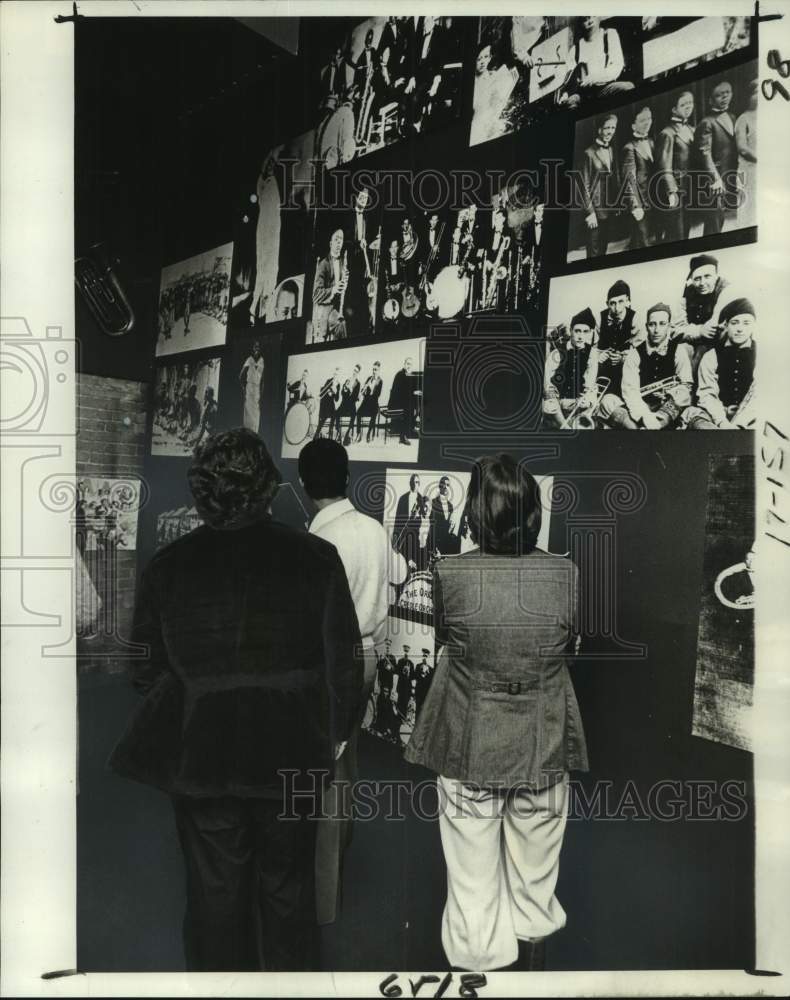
(106, 513)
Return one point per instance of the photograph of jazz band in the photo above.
(267, 281)
(654, 346)
(368, 397)
(426, 518)
(193, 302)
(405, 665)
(383, 79)
(527, 67)
(383, 271)
(675, 167)
(674, 44)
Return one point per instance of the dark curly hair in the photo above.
(233, 479)
(503, 506)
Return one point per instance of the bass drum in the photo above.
(449, 292)
(300, 422)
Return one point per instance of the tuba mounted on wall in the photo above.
(101, 289)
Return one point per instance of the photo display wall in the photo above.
(585, 186)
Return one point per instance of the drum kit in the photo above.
(301, 421)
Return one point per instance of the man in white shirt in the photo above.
(371, 566)
(595, 64)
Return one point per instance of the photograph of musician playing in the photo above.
(725, 378)
(329, 405)
(329, 290)
(566, 389)
(656, 380)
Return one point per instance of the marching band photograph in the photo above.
(105, 513)
(383, 80)
(668, 344)
(193, 302)
(186, 399)
(405, 664)
(675, 44)
(369, 398)
(528, 67)
(675, 167)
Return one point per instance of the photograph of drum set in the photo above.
(382, 80)
(368, 397)
(669, 344)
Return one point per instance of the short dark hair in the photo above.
(503, 506)
(233, 479)
(323, 468)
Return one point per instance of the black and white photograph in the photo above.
(666, 344)
(527, 67)
(674, 44)
(173, 524)
(384, 79)
(369, 398)
(405, 664)
(675, 167)
(193, 302)
(303, 562)
(426, 517)
(186, 402)
(268, 277)
(106, 512)
(347, 251)
(249, 379)
(725, 645)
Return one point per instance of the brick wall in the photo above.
(108, 448)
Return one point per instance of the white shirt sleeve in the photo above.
(631, 386)
(708, 387)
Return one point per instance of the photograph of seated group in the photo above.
(380, 665)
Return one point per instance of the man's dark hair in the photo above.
(323, 468)
(503, 506)
(233, 479)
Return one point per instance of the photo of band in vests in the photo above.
(528, 67)
(676, 166)
(186, 401)
(667, 344)
(382, 79)
(369, 398)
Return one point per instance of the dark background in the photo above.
(171, 118)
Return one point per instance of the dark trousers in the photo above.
(598, 239)
(250, 885)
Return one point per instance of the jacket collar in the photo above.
(330, 513)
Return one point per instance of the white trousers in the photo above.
(502, 850)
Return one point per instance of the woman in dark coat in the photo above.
(500, 724)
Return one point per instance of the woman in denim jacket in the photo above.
(500, 724)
